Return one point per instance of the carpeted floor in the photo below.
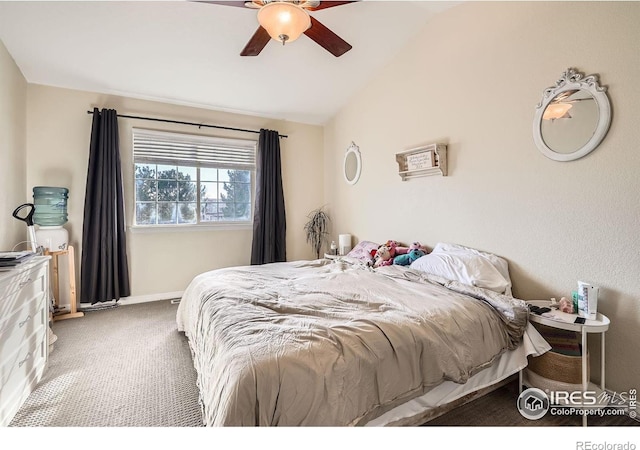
(124, 366)
(130, 367)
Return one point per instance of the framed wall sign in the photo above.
(422, 161)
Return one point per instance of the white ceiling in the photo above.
(189, 53)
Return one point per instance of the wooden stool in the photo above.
(73, 312)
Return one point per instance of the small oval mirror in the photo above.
(352, 165)
(572, 118)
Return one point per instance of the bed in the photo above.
(339, 343)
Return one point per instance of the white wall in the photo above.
(59, 129)
(13, 97)
(471, 79)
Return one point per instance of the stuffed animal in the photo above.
(400, 250)
(419, 246)
(566, 305)
(383, 257)
(408, 258)
(393, 245)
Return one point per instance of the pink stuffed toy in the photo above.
(383, 257)
(414, 246)
(393, 246)
(418, 246)
(402, 250)
(566, 306)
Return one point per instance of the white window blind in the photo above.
(193, 150)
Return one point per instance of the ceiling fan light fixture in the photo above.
(557, 111)
(284, 21)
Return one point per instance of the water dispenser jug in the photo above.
(50, 205)
(50, 214)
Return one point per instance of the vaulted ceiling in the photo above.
(188, 52)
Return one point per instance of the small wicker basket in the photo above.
(557, 364)
(558, 367)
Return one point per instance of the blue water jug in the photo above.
(50, 205)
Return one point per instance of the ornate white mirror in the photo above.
(352, 164)
(572, 118)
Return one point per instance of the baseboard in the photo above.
(132, 300)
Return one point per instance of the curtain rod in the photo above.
(199, 125)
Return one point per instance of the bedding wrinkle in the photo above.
(334, 344)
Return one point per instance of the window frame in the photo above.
(199, 225)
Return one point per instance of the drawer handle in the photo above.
(26, 358)
(21, 324)
(24, 283)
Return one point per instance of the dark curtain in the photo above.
(269, 223)
(104, 271)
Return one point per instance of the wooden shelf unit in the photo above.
(73, 311)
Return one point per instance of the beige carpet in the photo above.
(124, 366)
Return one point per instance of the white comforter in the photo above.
(318, 343)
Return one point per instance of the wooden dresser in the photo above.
(24, 316)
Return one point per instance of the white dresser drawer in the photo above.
(20, 374)
(24, 317)
(19, 287)
(17, 328)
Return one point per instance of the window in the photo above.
(187, 179)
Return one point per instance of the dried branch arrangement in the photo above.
(317, 229)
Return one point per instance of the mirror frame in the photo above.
(353, 148)
(572, 79)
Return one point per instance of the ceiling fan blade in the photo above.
(329, 4)
(257, 42)
(327, 39)
(239, 3)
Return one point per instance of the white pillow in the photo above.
(497, 262)
(468, 266)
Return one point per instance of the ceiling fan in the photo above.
(285, 20)
(559, 107)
